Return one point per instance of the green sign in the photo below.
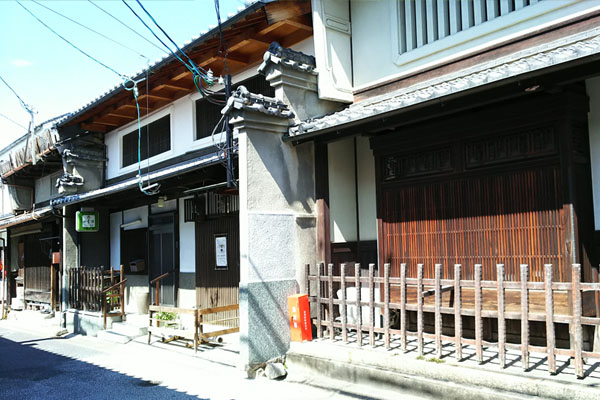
(87, 221)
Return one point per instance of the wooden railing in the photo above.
(533, 311)
(156, 281)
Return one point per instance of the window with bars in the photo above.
(208, 205)
(155, 139)
(208, 114)
(422, 22)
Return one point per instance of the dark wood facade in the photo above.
(508, 183)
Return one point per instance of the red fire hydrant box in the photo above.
(299, 312)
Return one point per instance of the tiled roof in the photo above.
(277, 54)
(242, 99)
(543, 56)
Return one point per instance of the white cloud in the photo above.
(21, 63)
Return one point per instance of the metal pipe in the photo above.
(229, 137)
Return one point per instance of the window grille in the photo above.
(158, 142)
(210, 205)
(423, 22)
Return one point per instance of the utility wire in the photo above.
(127, 26)
(71, 44)
(90, 29)
(23, 104)
(12, 120)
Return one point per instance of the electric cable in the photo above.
(90, 29)
(126, 26)
(71, 44)
(12, 120)
(23, 104)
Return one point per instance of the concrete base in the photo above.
(264, 324)
(88, 323)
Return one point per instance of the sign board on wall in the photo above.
(221, 251)
(87, 221)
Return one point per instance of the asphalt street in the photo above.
(30, 373)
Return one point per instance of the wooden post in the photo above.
(319, 297)
(122, 291)
(550, 337)
(52, 289)
(358, 305)
(330, 298)
(371, 306)
(457, 312)
(438, 313)
(577, 310)
(403, 305)
(501, 320)
(157, 293)
(150, 312)
(195, 330)
(104, 309)
(478, 319)
(524, 316)
(420, 309)
(386, 299)
(343, 308)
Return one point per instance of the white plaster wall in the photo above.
(115, 239)
(134, 214)
(593, 91)
(376, 58)
(367, 205)
(187, 244)
(342, 193)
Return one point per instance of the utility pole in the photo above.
(229, 138)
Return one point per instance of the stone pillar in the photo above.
(277, 225)
(70, 255)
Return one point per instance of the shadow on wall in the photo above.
(26, 374)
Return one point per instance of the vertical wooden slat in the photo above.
(506, 6)
(524, 316)
(343, 308)
(443, 20)
(401, 27)
(520, 4)
(479, 11)
(358, 305)
(386, 299)
(420, 22)
(457, 312)
(493, 9)
(577, 311)
(478, 319)
(438, 312)
(550, 337)
(501, 320)
(410, 30)
(330, 299)
(455, 17)
(466, 9)
(371, 306)
(403, 305)
(319, 297)
(420, 309)
(431, 9)
(307, 279)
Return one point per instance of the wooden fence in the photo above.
(325, 299)
(85, 288)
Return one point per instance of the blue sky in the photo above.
(55, 78)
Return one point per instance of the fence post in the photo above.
(550, 337)
(403, 305)
(457, 312)
(371, 306)
(343, 308)
(386, 299)
(524, 316)
(420, 309)
(319, 305)
(330, 297)
(358, 305)
(576, 293)
(122, 291)
(501, 320)
(478, 319)
(438, 313)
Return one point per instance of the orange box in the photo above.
(299, 312)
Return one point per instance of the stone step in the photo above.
(111, 336)
(128, 329)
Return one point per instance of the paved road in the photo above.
(29, 373)
(35, 365)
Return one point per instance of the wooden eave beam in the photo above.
(155, 97)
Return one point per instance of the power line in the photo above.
(126, 26)
(12, 120)
(23, 104)
(71, 44)
(90, 29)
